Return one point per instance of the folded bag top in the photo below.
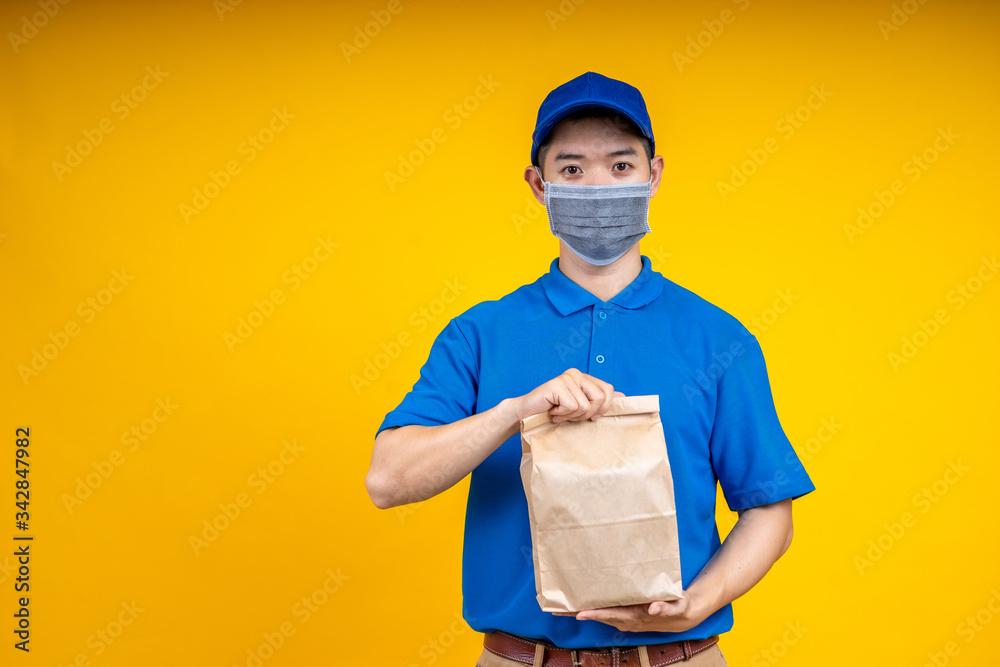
(620, 405)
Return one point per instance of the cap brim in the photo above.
(561, 113)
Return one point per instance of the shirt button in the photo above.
(600, 358)
(603, 315)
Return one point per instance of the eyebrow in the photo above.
(562, 155)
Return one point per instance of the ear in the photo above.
(535, 183)
(655, 172)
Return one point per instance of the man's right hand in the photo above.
(413, 463)
(572, 396)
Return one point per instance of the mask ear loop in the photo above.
(548, 209)
(650, 182)
(648, 196)
(539, 172)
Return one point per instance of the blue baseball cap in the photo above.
(589, 91)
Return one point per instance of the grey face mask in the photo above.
(598, 222)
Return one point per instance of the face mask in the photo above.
(598, 222)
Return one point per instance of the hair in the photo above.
(617, 119)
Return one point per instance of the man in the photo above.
(600, 323)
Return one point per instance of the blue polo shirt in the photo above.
(654, 337)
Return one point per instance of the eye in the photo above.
(622, 166)
(575, 170)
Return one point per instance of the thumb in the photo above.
(671, 608)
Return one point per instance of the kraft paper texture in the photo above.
(601, 508)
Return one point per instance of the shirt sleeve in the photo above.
(753, 459)
(448, 385)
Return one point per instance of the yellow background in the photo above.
(454, 218)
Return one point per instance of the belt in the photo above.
(523, 650)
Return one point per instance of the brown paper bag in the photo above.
(601, 508)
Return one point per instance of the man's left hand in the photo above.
(657, 616)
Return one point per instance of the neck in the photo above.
(604, 282)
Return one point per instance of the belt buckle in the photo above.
(573, 656)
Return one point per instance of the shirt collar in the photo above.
(568, 297)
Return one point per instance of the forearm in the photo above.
(759, 538)
(414, 463)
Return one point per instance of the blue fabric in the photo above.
(654, 337)
(587, 91)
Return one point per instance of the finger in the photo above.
(672, 608)
(607, 615)
(577, 384)
(609, 619)
(609, 394)
(596, 397)
(562, 402)
(565, 395)
(600, 394)
(577, 398)
(570, 399)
